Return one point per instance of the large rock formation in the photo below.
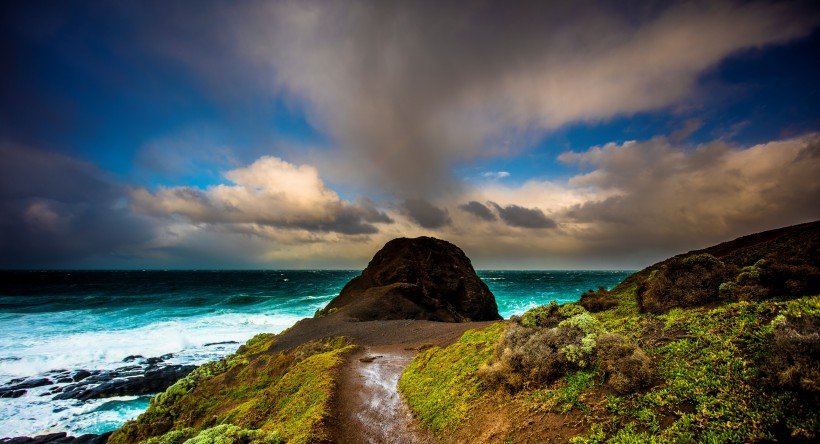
(422, 278)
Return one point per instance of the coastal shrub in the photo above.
(625, 365)
(173, 437)
(231, 434)
(541, 316)
(688, 281)
(796, 353)
(792, 276)
(596, 301)
(540, 350)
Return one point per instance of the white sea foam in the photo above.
(33, 344)
(32, 351)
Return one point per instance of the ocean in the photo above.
(60, 322)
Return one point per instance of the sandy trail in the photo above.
(371, 408)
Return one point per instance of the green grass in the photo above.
(566, 395)
(282, 396)
(441, 385)
(713, 388)
(709, 379)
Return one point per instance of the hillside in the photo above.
(716, 345)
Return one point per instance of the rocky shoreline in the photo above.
(142, 376)
(145, 376)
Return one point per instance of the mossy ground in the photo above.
(710, 365)
(709, 382)
(441, 384)
(263, 397)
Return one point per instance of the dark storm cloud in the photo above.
(655, 193)
(479, 210)
(522, 217)
(408, 89)
(425, 214)
(58, 210)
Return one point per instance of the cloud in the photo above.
(268, 193)
(479, 210)
(425, 214)
(689, 127)
(56, 210)
(659, 193)
(522, 217)
(409, 89)
(496, 174)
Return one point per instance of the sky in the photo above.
(306, 134)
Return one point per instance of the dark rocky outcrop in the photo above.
(422, 278)
(19, 388)
(125, 381)
(151, 375)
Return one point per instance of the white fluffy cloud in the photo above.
(634, 203)
(269, 193)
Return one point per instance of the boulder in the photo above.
(422, 278)
(124, 382)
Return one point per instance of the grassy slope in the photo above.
(710, 368)
(251, 396)
(441, 385)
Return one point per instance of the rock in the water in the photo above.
(123, 382)
(80, 375)
(422, 278)
(11, 393)
(18, 387)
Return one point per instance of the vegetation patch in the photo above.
(596, 301)
(441, 385)
(551, 342)
(222, 434)
(687, 281)
(564, 395)
(285, 395)
(626, 365)
(714, 380)
(796, 352)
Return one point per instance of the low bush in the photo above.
(625, 365)
(596, 301)
(796, 353)
(548, 342)
(230, 434)
(530, 355)
(542, 316)
(688, 281)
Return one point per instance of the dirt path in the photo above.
(370, 408)
(367, 407)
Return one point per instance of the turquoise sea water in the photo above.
(92, 320)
